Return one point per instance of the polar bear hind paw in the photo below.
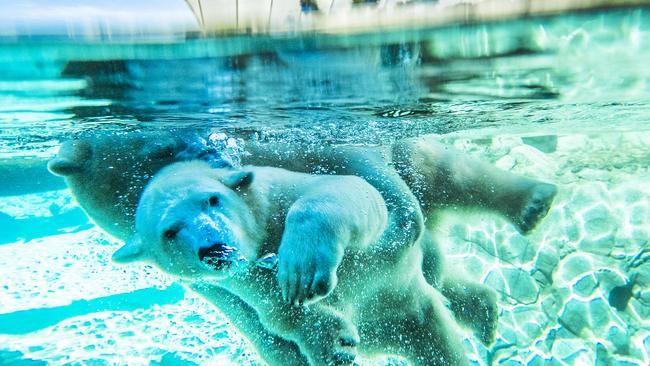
(485, 329)
(536, 207)
(343, 345)
(346, 351)
(334, 342)
(475, 306)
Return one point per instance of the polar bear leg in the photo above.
(285, 335)
(334, 216)
(429, 336)
(325, 336)
(271, 348)
(432, 260)
(310, 252)
(440, 176)
(406, 221)
(329, 338)
(473, 304)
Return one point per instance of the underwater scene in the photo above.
(538, 130)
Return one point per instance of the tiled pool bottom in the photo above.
(576, 291)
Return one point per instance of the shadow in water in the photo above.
(16, 358)
(27, 321)
(14, 229)
(20, 176)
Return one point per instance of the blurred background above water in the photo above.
(579, 71)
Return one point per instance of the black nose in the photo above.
(216, 250)
(216, 255)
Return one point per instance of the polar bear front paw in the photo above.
(305, 274)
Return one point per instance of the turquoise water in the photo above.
(562, 99)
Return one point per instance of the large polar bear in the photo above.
(415, 177)
(107, 174)
(207, 225)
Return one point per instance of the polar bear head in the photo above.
(107, 173)
(192, 221)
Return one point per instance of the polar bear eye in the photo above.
(170, 233)
(213, 201)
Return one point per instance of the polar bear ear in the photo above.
(71, 159)
(132, 251)
(63, 167)
(238, 180)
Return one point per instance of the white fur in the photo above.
(325, 230)
(415, 177)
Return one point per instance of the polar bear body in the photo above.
(323, 228)
(108, 173)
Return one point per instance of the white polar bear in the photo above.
(415, 177)
(107, 173)
(196, 222)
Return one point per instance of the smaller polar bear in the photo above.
(208, 226)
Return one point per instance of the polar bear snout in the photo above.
(217, 256)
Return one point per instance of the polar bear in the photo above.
(106, 173)
(415, 177)
(209, 225)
